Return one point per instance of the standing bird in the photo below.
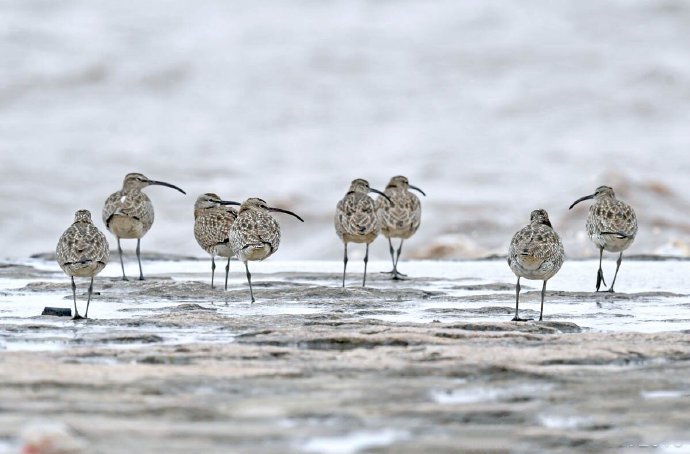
(255, 234)
(82, 251)
(356, 220)
(401, 218)
(535, 252)
(611, 225)
(128, 213)
(212, 222)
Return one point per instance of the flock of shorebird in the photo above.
(250, 233)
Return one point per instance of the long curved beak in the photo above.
(228, 202)
(381, 193)
(280, 210)
(163, 183)
(416, 189)
(587, 197)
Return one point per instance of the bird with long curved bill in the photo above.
(128, 213)
(401, 218)
(611, 225)
(356, 220)
(213, 219)
(255, 234)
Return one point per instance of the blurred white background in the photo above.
(494, 108)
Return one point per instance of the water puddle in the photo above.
(353, 442)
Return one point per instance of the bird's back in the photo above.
(356, 219)
(254, 235)
(612, 224)
(82, 250)
(536, 252)
(402, 218)
(212, 229)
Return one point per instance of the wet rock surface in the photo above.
(423, 365)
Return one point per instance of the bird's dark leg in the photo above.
(141, 273)
(396, 274)
(122, 263)
(249, 279)
(74, 297)
(517, 302)
(394, 271)
(543, 292)
(600, 273)
(213, 269)
(344, 264)
(88, 301)
(366, 260)
(227, 272)
(618, 265)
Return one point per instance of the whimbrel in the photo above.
(401, 218)
(611, 225)
(128, 213)
(212, 222)
(535, 252)
(82, 251)
(255, 234)
(356, 220)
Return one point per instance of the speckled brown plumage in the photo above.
(255, 234)
(82, 251)
(128, 213)
(400, 215)
(356, 220)
(212, 221)
(535, 252)
(611, 225)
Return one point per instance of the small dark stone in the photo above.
(57, 311)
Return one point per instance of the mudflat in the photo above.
(429, 364)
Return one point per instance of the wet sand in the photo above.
(430, 364)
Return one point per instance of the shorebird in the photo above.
(82, 251)
(401, 218)
(212, 222)
(535, 252)
(356, 220)
(611, 225)
(255, 234)
(128, 213)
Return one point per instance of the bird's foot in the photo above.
(394, 273)
(399, 277)
(78, 317)
(519, 319)
(141, 278)
(611, 290)
(124, 278)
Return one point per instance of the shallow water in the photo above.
(655, 299)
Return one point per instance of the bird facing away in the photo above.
(401, 218)
(82, 251)
(356, 220)
(611, 225)
(255, 234)
(128, 213)
(535, 252)
(212, 221)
